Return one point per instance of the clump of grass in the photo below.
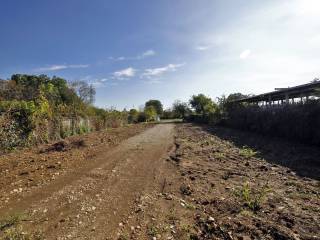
(252, 198)
(152, 231)
(123, 237)
(219, 155)
(17, 233)
(11, 221)
(248, 152)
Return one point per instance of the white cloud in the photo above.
(245, 54)
(60, 67)
(125, 73)
(153, 81)
(148, 53)
(155, 72)
(203, 47)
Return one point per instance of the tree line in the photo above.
(199, 108)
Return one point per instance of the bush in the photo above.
(300, 122)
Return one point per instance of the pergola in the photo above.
(283, 95)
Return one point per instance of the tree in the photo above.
(180, 109)
(133, 116)
(226, 104)
(202, 104)
(85, 91)
(156, 104)
(150, 113)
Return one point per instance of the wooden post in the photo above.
(287, 98)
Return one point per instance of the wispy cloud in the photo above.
(245, 54)
(59, 67)
(152, 81)
(146, 54)
(203, 47)
(125, 73)
(156, 72)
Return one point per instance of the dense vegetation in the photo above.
(299, 121)
(38, 108)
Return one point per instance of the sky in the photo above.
(133, 51)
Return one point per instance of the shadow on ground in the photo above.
(303, 159)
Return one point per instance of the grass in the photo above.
(12, 231)
(123, 237)
(152, 231)
(252, 198)
(247, 152)
(17, 233)
(11, 221)
(219, 155)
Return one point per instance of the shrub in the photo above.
(300, 122)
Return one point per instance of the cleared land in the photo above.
(168, 181)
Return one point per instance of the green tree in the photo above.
(227, 104)
(150, 113)
(156, 104)
(180, 109)
(202, 104)
(133, 116)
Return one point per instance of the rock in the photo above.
(185, 190)
(168, 197)
(24, 173)
(121, 224)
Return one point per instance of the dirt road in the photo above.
(166, 181)
(96, 198)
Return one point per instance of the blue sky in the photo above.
(133, 51)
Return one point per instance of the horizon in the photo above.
(136, 51)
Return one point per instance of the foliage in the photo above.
(133, 116)
(156, 104)
(300, 122)
(228, 104)
(202, 105)
(85, 91)
(168, 114)
(39, 108)
(150, 113)
(180, 109)
(142, 117)
(252, 198)
(247, 152)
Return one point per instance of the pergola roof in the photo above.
(304, 90)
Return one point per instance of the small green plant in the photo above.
(219, 155)
(123, 237)
(83, 129)
(152, 231)
(252, 198)
(248, 152)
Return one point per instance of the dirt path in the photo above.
(96, 198)
(169, 182)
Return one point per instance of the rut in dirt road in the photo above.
(94, 200)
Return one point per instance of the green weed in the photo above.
(247, 152)
(252, 198)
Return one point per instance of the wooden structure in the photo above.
(286, 95)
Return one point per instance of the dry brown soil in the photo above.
(162, 181)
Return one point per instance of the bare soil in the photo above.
(167, 181)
